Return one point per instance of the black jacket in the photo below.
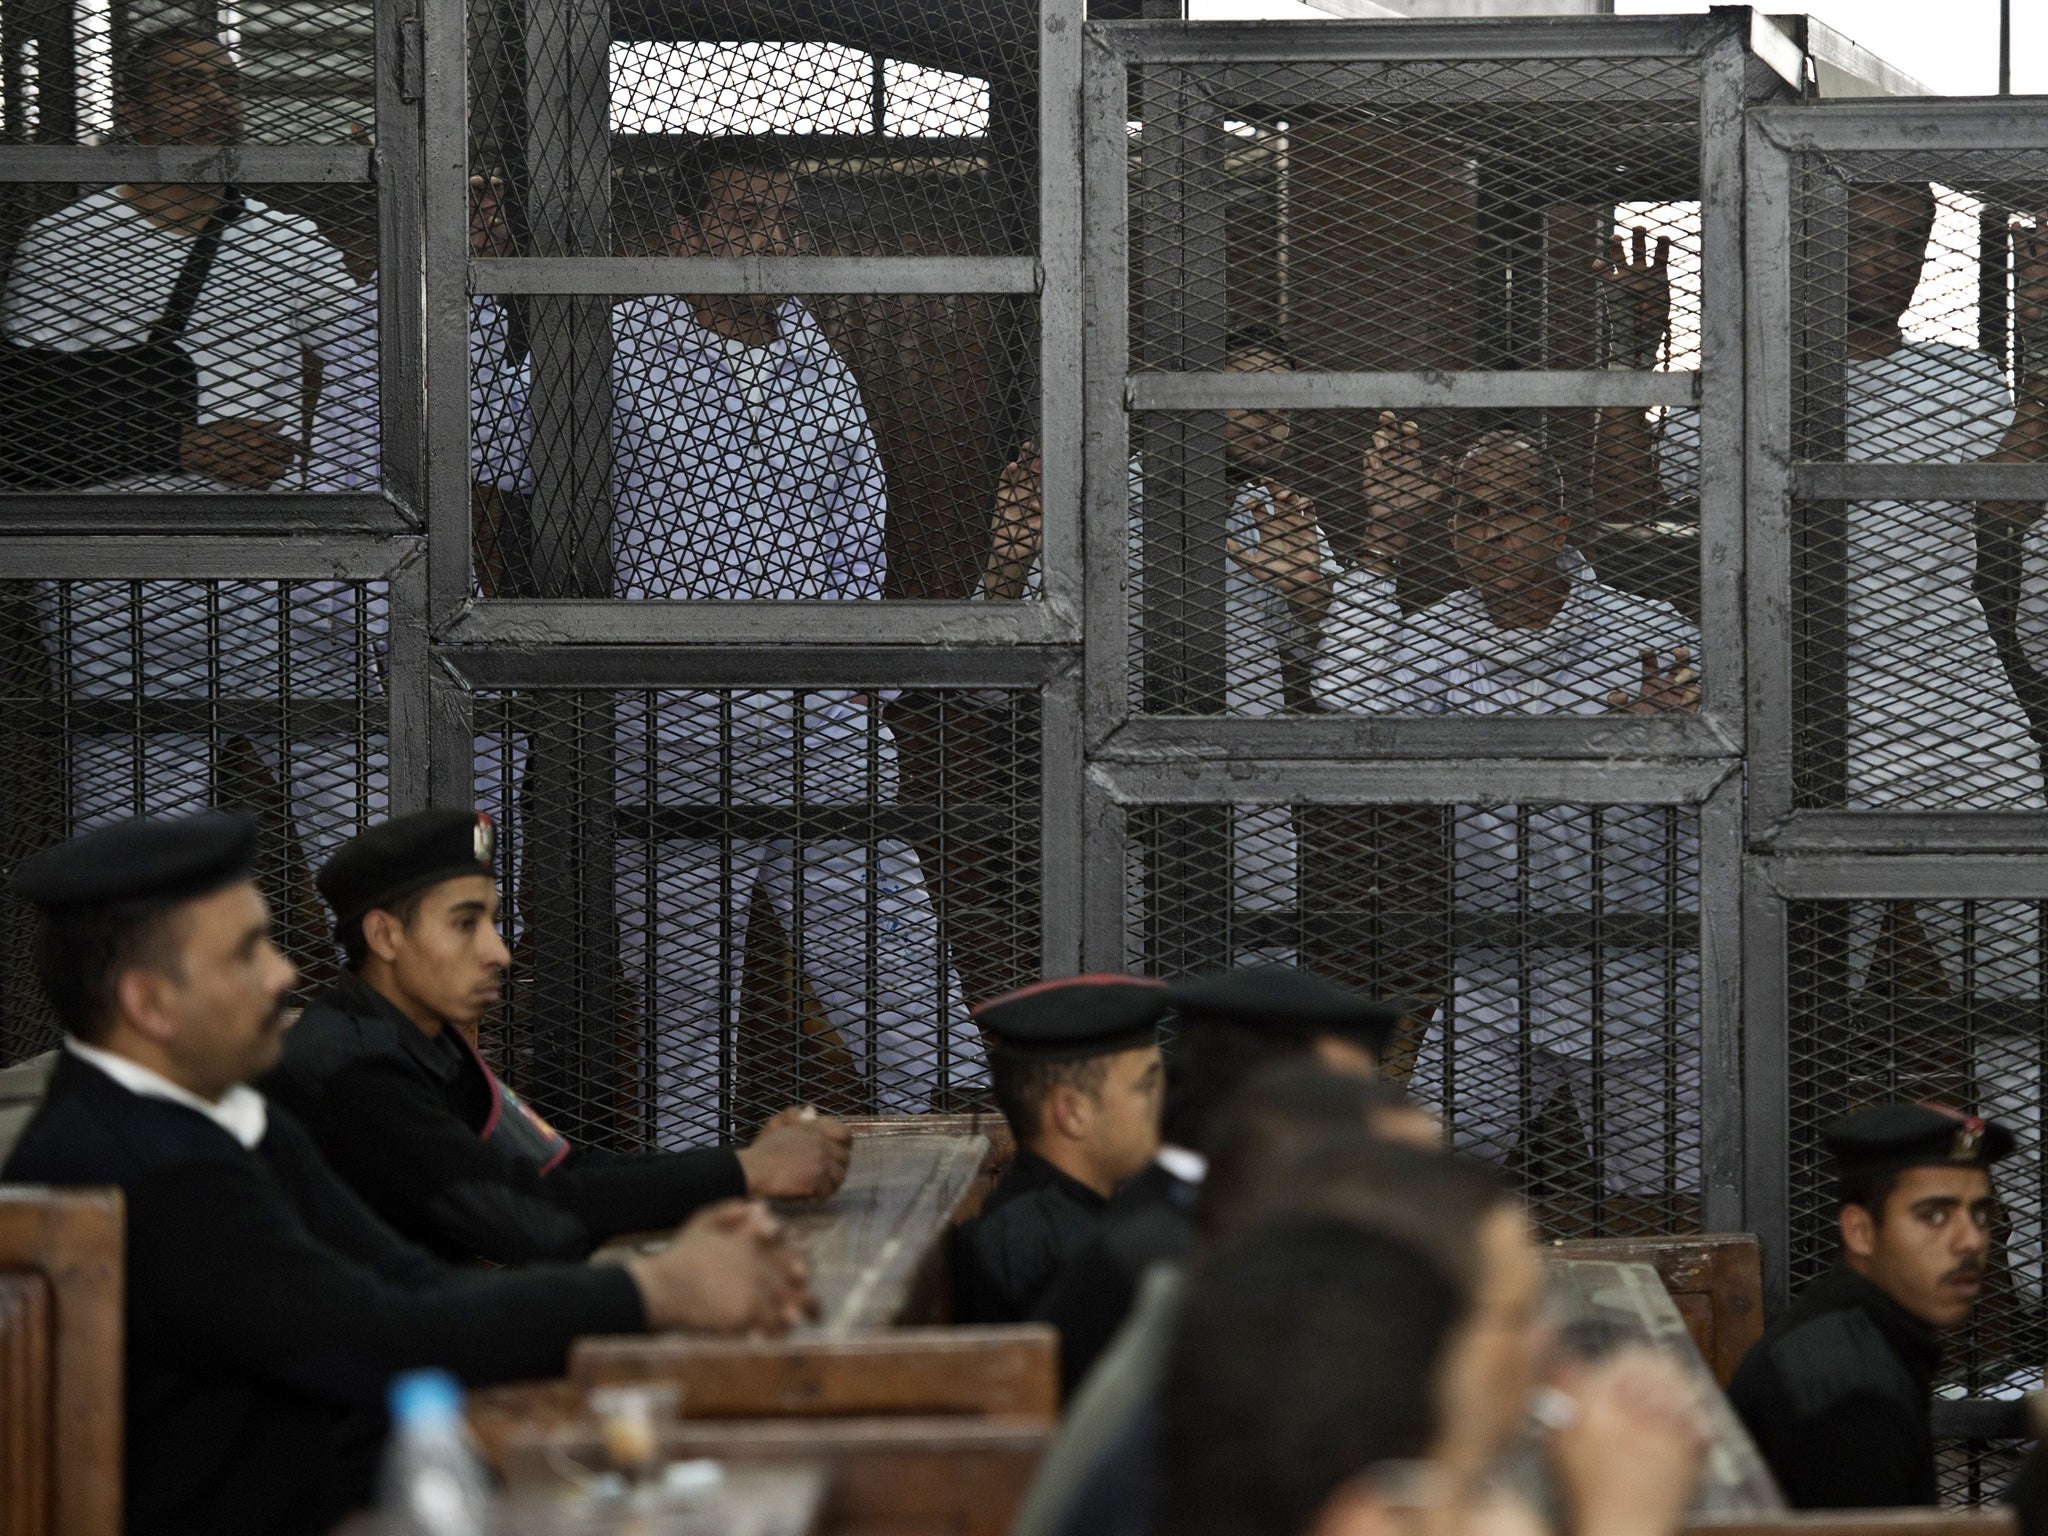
(400, 1115)
(1033, 1222)
(1149, 1219)
(267, 1308)
(1837, 1396)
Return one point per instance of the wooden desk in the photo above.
(73, 1242)
(1864, 1522)
(755, 1499)
(1008, 1371)
(1715, 1280)
(1602, 1305)
(935, 1477)
(878, 1247)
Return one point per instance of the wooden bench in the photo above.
(1716, 1281)
(61, 1266)
(933, 1477)
(878, 1248)
(1010, 1371)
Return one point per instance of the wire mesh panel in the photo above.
(1937, 1000)
(726, 901)
(1399, 588)
(1406, 219)
(863, 462)
(1427, 213)
(130, 698)
(1549, 955)
(734, 445)
(164, 334)
(1913, 686)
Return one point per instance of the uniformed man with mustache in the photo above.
(1837, 1392)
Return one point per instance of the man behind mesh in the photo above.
(99, 273)
(743, 467)
(1276, 585)
(1535, 632)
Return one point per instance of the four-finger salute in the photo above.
(1672, 690)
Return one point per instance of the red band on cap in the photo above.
(1057, 983)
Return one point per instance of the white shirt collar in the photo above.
(1188, 1167)
(241, 1111)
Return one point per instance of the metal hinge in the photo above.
(412, 68)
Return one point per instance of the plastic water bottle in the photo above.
(433, 1484)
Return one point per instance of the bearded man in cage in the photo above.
(1538, 1008)
(744, 468)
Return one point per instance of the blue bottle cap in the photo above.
(419, 1397)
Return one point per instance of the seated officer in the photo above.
(1076, 1069)
(384, 1071)
(1836, 1393)
(266, 1306)
(1230, 1026)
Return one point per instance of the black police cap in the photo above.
(1894, 1136)
(167, 858)
(407, 854)
(1274, 997)
(1071, 1017)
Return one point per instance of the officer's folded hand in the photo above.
(729, 1270)
(799, 1155)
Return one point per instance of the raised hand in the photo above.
(1673, 690)
(1288, 556)
(1019, 528)
(489, 234)
(1627, 1458)
(1404, 488)
(1635, 300)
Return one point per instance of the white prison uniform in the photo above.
(1540, 1010)
(1934, 723)
(1262, 632)
(98, 273)
(341, 784)
(762, 487)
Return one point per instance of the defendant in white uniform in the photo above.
(744, 468)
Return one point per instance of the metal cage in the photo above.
(764, 841)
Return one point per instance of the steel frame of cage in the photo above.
(1138, 759)
(1800, 854)
(1100, 760)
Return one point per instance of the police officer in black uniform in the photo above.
(1076, 1070)
(266, 1307)
(1837, 1392)
(1230, 1025)
(384, 1070)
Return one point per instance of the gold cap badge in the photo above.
(1969, 1136)
(484, 838)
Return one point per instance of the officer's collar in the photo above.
(1916, 1343)
(1029, 1171)
(355, 995)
